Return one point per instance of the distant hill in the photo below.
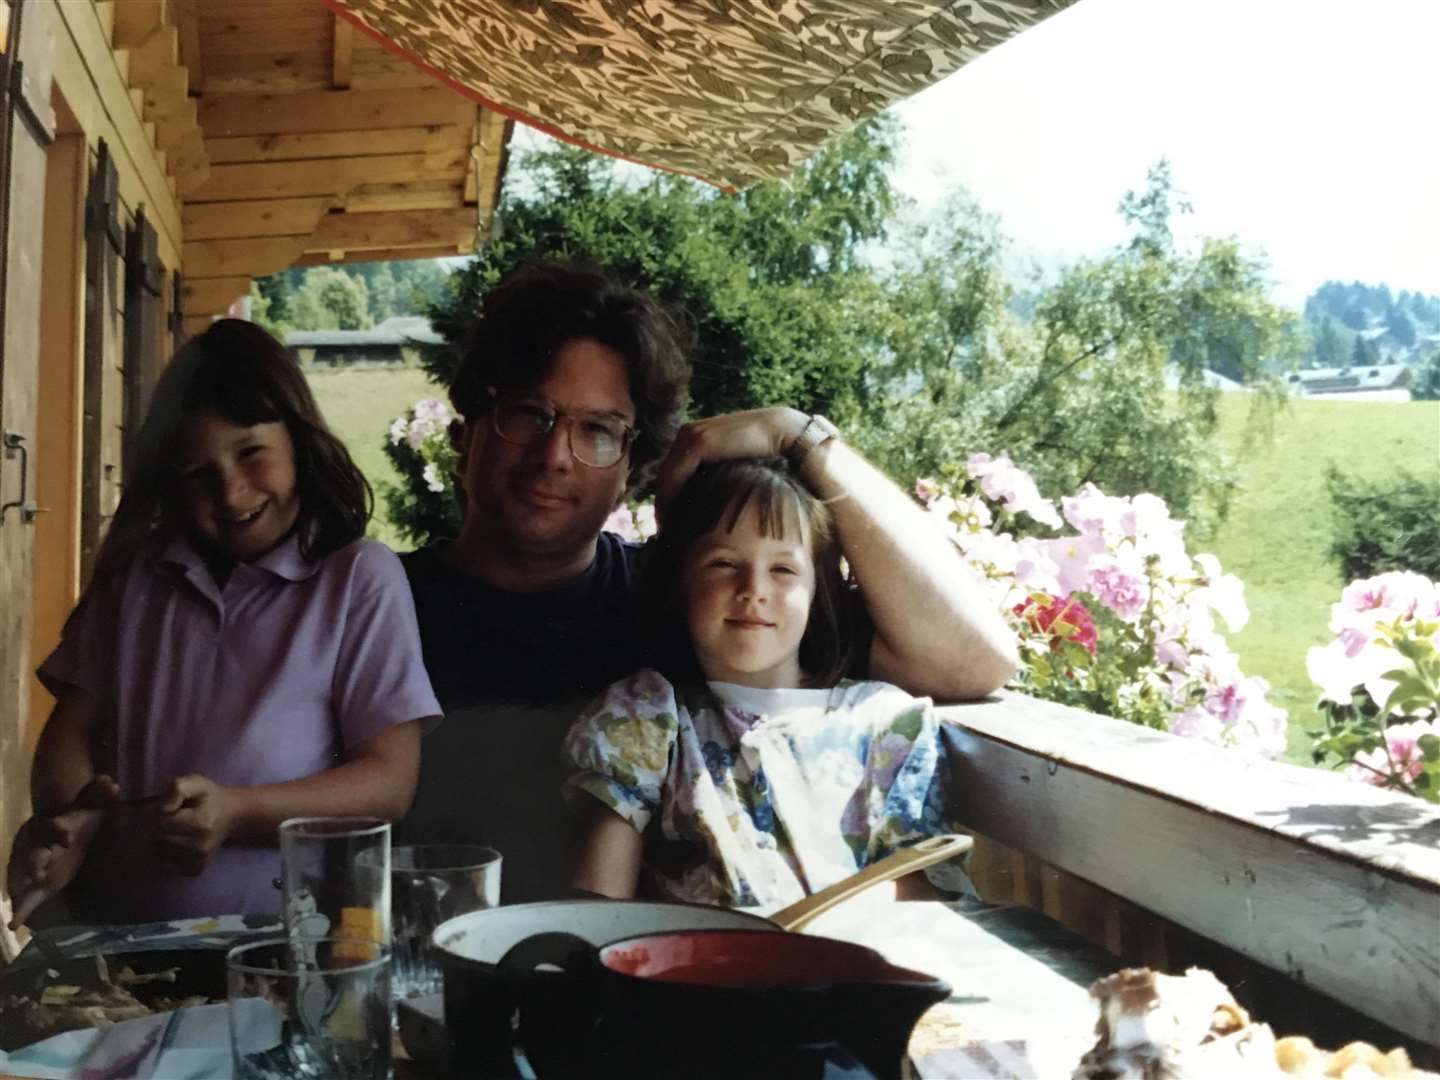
(1359, 324)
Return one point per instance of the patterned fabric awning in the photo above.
(731, 91)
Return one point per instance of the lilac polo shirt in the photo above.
(272, 678)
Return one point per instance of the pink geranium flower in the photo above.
(1004, 481)
(1119, 585)
(1403, 740)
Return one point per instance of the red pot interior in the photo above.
(748, 958)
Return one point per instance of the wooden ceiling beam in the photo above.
(289, 179)
(322, 258)
(256, 217)
(342, 53)
(336, 144)
(352, 234)
(418, 195)
(133, 21)
(187, 22)
(332, 110)
(249, 257)
(212, 296)
(368, 232)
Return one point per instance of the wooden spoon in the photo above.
(896, 864)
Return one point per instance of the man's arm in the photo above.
(935, 631)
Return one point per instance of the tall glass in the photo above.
(335, 878)
(430, 883)
(317, 1008)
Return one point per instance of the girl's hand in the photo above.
(49, 851)
(197, 816)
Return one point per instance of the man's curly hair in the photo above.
(526, 319)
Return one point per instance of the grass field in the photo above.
(1277, 539)
(359, 405)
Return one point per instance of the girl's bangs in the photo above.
(779, 512)
(233, 392)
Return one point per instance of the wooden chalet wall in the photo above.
(163, 154)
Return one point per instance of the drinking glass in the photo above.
(430, 883)
(335, 878)
(317, 1007)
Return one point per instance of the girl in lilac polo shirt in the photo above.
(242, 655)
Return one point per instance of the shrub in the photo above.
(425, 505)
(1384, 525)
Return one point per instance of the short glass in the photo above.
(335, 877)
(309, 1008)
(430, 883)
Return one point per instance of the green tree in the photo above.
(1329, 349)
(1425, 379)
(1362, 354)
(928, 354)
(1105, 383)
(774, 280)
(330, 299)
(1399, 327)
(260, 311)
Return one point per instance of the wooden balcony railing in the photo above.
(1128, 835)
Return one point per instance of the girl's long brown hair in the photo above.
(238, 371)
(715, 498)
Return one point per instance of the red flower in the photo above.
(1074, 621)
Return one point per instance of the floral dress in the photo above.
(757, 798)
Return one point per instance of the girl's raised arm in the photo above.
(610, 859)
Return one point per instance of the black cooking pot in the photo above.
(715, 1005)
(481, 1001)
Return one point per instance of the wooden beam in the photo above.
(213, 296)
(352, 234)
(343, 53)
(189, 166)
(322, 258)
(135, 20)
(247, 257)
(187, 22)
(332, 110)
(418, 195)
(258, 217)
(335, 144)
(154, 57)
(370, 232)
(198, 324)
(286, 179)
(1334, 883)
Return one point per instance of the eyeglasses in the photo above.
(595, 440)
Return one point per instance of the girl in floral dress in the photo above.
(748, 771)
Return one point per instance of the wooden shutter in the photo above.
(177, 310)
(104, 388)
(144, 317)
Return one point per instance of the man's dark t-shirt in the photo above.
(511, 671)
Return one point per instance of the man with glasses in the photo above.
(572, 389)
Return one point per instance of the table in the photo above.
(1020, 1006)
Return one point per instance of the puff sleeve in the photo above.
(619, 750)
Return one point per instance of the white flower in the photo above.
(433, 480)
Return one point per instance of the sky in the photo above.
(1309, 129)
